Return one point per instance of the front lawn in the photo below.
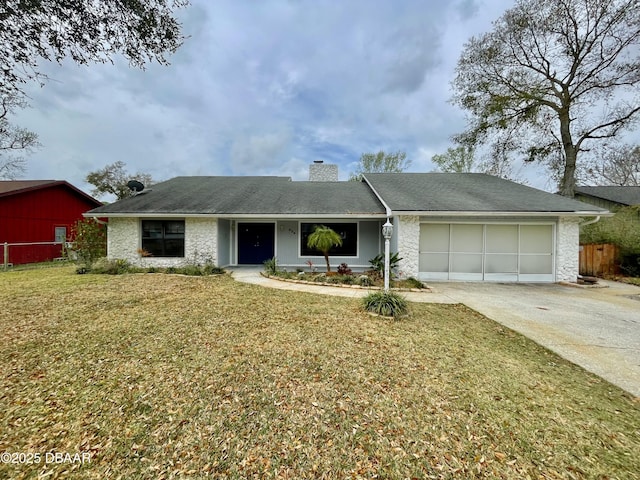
(161, 376)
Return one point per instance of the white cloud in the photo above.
(265, 88)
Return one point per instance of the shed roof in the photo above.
(17, 187)
(621, 195)
(247, 196)
(468, 192)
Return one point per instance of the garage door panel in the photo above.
(536, 239)
(466, 238)
(434, 238)
(502, 238)
(536, 264)
(434, 262)
(466, 263)
(494, 252)
(501, 263)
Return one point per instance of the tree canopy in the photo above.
(86, 31)
(550, 80)
(380, 162)
(460, 159)
(113, 179)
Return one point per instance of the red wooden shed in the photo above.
(39, 213)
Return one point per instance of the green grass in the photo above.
(160, 376)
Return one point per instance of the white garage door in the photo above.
(494, 252)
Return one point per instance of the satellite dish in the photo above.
(135, 186)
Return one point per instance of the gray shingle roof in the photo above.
(621, 195)
(247, 196)
(402, 192)
(466, 192)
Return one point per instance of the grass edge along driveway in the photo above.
(161, 376)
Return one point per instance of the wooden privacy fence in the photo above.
(598, 260)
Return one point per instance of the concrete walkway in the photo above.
(596, 328)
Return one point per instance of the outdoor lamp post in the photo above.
(387, 231)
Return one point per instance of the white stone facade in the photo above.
(201, 241)
(124, 240)
(567, 249)
(408, 240)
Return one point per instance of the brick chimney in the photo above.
(323, 172)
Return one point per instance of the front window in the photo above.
(348, 232)
(163, 238)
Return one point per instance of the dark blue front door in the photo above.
(256, 242)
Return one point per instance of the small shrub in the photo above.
(344, 269)
(89, 239)
(192, 270)
(388, 304)
(414, 283)
(339, 279)
(271, 266)
(365, 281)
(347, 279)
(107, 266)
(211, 269)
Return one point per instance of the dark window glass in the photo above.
(163, 238)
(348, 232)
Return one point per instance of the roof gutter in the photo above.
(589, 222)
(384, 204)
(101, 222)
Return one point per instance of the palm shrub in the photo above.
(377, 262)
(324, 239)
(388, 304)
(271, 266)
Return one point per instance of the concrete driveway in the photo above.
(596, 328)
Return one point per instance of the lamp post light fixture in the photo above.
(387, 232)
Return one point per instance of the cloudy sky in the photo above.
(265, 88)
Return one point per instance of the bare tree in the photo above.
(620, 166)
(14, 140)
(552, 79)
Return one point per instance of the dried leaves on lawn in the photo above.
(160, 376)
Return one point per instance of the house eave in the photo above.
(473, 213)
(235, 215)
